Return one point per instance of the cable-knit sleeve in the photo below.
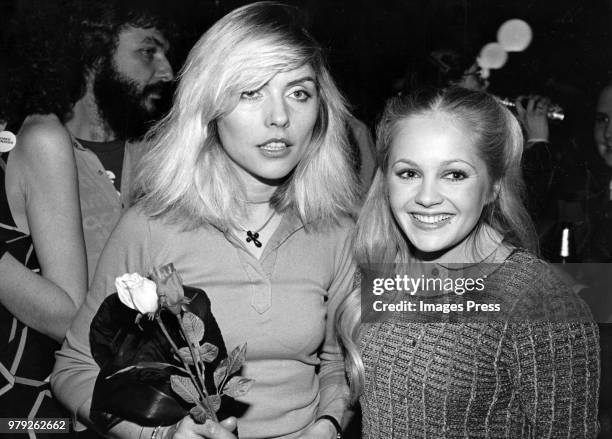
(555, 368)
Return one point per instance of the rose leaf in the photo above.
(194, 328)
(208, 352)
(184, 388)
(238, 386)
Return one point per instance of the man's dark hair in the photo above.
(96, 25)
(36, 68)
(437, 68)
(53, 45)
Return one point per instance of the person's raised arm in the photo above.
(42, 166)
(533, 118)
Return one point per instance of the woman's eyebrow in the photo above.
(301, 80)
(452, 161)
(406, 161)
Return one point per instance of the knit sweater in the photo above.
(524, 377)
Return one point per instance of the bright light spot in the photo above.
(514, 35)
(492, 56)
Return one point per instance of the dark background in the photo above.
(370, 43)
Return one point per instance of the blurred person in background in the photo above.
(442, 68)
(43, 268)
(598, 247)
(110, 82)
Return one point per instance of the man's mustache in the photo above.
(160, 88)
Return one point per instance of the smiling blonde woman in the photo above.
(447, 191)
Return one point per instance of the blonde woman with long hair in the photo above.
(249, 191)
(448, 190)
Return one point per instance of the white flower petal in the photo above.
(145, 296)
(123, 291)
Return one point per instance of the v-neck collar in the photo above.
(290, 223)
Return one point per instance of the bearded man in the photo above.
(124, 85)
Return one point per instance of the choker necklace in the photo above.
(256, 202)
(254, 235)
(267, 200)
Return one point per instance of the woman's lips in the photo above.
(274, 146)
(431, 221)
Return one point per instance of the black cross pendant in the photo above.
(253, 237)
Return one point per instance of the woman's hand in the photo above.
(533, 117)
(187, 428)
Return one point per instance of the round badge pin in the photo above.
(7, 141)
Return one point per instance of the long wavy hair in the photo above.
(187, 177)
(498, 139)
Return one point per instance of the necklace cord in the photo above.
(262, 226)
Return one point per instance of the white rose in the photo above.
(137, 292)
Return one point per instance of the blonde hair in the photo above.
(187, 178)
(379, 239)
